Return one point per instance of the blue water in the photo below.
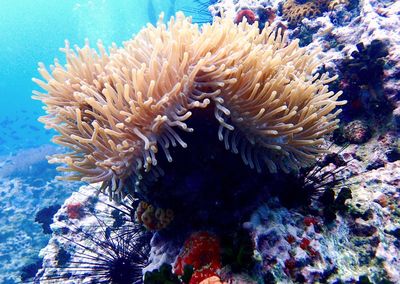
(32, 31)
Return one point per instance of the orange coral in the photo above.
(202, 251)
(153, 218)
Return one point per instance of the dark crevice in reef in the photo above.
(205, 184)
(210, 188)
(45, 217)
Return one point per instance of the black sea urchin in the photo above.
(100, 254)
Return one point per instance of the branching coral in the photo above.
(116, 110)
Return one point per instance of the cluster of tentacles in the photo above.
(116, 110)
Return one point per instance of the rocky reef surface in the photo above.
(296, 244)
(336, 28)
(27, 186)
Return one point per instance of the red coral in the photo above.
(74, 210)
(202, 251)
(290, 239)
(249, 14)
(290, 263)
(305, 243)
(290, 266)
(313, 253)
(308, 221)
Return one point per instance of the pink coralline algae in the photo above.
(290, 243)
(75, 210)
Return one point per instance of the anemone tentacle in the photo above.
(115, 109)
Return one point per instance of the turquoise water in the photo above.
(32, 32)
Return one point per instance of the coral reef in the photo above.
(29, 271)
(363, 72)
(212, 280)
(338, 32)
(22, 195)
(299, 248)
(165, 275)
(329, 218)
(75, 210)
(246, 13)
(289, 244)
(45, 217)
(261, 11)
(237, 251)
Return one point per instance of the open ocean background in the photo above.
(32, 32)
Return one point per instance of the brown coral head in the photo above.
(295, 11)
(115, 110)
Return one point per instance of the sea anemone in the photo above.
(116, 110)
